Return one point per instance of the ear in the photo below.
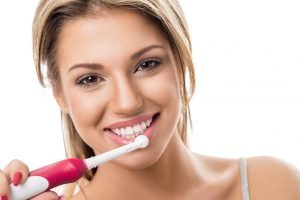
(60, 99)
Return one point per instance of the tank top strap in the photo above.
(244, 179)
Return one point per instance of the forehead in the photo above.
(113, 32)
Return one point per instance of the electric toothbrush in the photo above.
(68, 171)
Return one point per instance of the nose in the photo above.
(126, 97)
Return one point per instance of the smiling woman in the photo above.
(120, 69)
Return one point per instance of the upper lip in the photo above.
(131, 122)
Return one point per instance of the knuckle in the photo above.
(15, 162)
(17, 165)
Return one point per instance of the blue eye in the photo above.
(147, 65)
(89, 80)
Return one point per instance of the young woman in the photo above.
(118, 69)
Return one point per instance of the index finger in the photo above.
(17, 171)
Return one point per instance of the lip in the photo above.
(130, 122)
(149, 133)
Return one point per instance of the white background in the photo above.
(247, 102)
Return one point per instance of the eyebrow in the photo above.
(86, 65)
(99, 66)
(144, 50)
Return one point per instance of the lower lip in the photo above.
(119, 140)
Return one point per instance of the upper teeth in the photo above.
(131, 131)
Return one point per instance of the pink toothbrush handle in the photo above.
(48, 177)
(62, 172)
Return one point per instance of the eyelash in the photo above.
(84, 82)
(154, 64)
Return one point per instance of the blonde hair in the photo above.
(50, 17)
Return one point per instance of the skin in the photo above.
(119, 91)
(124, 91)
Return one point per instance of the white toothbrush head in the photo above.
(142, 141)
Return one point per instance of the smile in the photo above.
(128, 130)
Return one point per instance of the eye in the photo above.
(147, 65)
(89, 80)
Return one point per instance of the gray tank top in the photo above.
(244, 179)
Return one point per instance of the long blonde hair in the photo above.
(50, 17)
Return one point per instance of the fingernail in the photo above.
(17, 178)
(3, 197)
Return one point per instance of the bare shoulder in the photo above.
(272, 178)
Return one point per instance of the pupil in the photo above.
(148, 64)
(90, 79)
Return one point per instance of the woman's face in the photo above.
(118, 80)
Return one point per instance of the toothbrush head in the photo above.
(142, 141)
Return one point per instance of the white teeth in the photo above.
(137, 128)
(148, 122)
(130, 132)
(123, 131)
(143, 125)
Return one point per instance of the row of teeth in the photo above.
(130, 132)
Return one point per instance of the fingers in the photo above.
(15, 172)
(50, 195)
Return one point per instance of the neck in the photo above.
(176, 170)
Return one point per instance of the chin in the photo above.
(137, 162)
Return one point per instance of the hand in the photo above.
(16, 172)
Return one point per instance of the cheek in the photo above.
(164, 90)
(85, 110)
